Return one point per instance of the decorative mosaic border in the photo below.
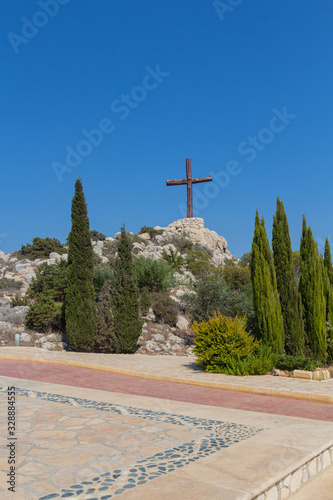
(220, 435)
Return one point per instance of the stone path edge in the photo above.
(263, 391)
(297, 477)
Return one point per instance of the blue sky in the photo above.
(120, 93)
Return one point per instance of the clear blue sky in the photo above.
(244, 90)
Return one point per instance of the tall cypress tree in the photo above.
(268, 317)
(328, 260)
(127, 320)
(80, 308)
(105, 338)
(290, 298)
(312, 291)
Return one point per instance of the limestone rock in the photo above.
(182, 323)
(25, 337)
(55, 256)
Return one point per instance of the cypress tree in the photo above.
(80, 308)
(105, 338)
(312, 291)
(290, 298)
(268, 317)
(328, 260)
(127, 320)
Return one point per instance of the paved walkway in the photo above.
(179, 369)
(99, 434)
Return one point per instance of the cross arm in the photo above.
(196, 180)
(176, 182)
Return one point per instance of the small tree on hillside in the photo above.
(268, 317)
(127, 320)
(105, 338)
(290, 298)
(312, 291)
(80, 307)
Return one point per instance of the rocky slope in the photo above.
(17, 274)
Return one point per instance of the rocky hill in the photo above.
(16, 274)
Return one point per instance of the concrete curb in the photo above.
(263, 391)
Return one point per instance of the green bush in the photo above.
(198, 262)
(212, 294)
(19, 301)
(44, 315)
(97, 236)
(165, 309)
(175, 260)
(9, 284)
(101, 275)
(237, 277)
(51, 279)
(145, 301)
(329, 333)
(156, 275)
(290, 363)
(150, 230)
(41, 248)
(222, 345)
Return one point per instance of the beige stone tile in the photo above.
(46, 415)
(67, 458)
(56, 435)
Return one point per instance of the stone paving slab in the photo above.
(181, 369)
(90, 444)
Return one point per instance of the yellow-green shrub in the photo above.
(223, 345)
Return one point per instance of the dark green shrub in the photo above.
(9, 284)
(105, 337)
(198, 262)
(329, 333)
(145, 301)
(156, 275)
(50, 279)
(212, 294)
(290, 363)
(165, 309)
(19, 301)
(97, 236)
(222, 345)
(175, 260)
(41, 248)
(237, 277)
(151, 231)
(245, 260)
(44, 315)
(101, 275)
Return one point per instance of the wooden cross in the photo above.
(189, 181)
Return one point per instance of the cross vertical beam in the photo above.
(188, 181)
(189, 188)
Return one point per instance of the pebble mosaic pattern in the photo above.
(218, 435)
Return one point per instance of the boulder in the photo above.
(25, 337)
(55, 256)
(182, 323)
(169, 248)
(145, 236)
